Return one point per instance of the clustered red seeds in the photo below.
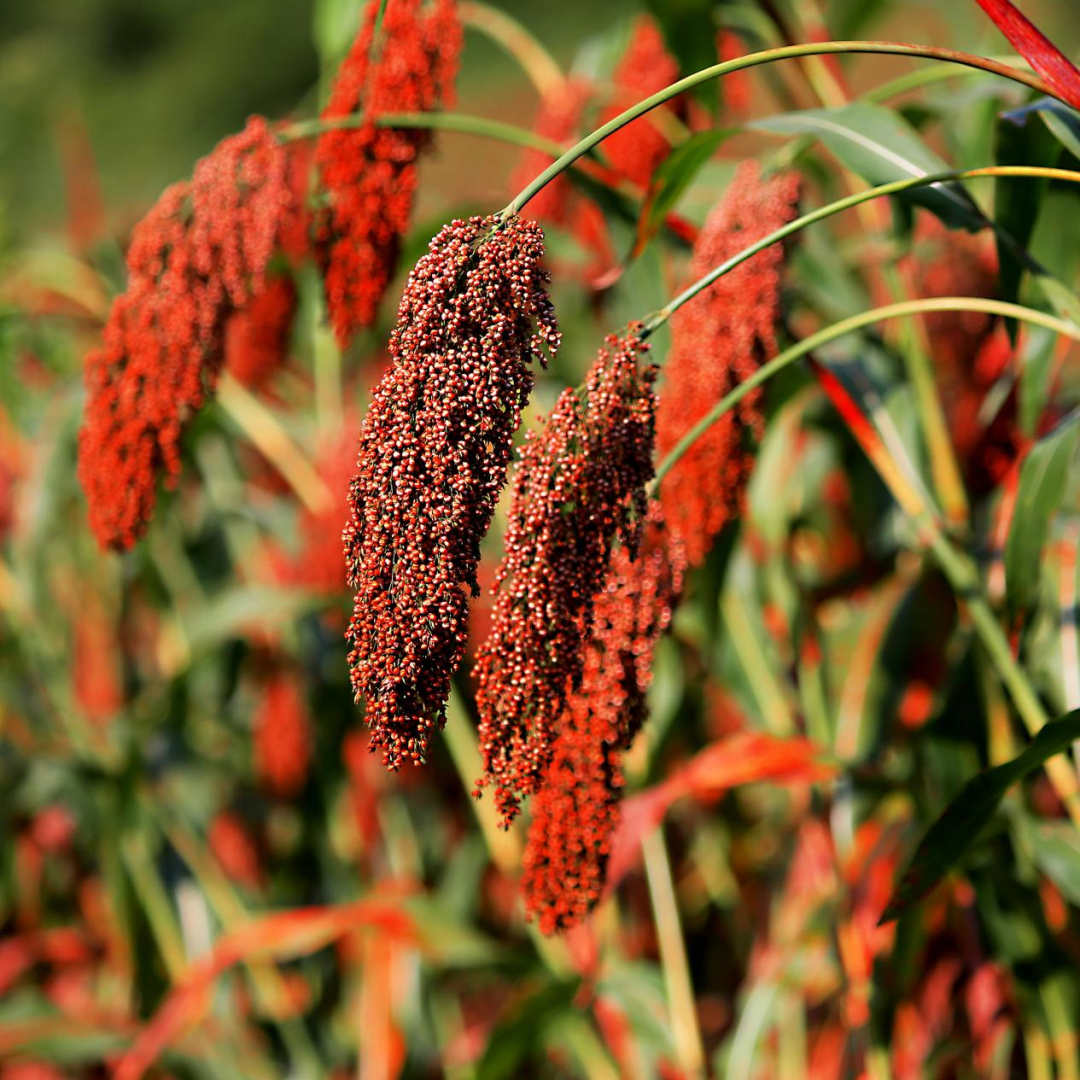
(282, 736)
(646, 68)
(257, 335)
(557, 120)
(576, 809)
(718, 340)
(199, 254)
(434, 449)
(369, 172)
(580, 483)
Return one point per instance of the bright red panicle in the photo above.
(200, 253)
(580, 484)
(718, 341)
(369, 172)
(575, 812)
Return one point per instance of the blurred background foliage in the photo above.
(139, 827)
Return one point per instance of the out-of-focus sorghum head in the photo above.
(434, 449)
(637, 149)
(320, 564)
(718, 340)
(369, 172)
(575, 811)
(557, 119)
(199, 254)
(232, 844)
(257, 335)
(282, 735)
(580, 483)
(970, 350)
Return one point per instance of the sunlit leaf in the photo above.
(881, 147)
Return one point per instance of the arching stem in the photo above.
(896, 187)
(888, 48)
(537, 63)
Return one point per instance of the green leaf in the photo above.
(1034, 389)
(1043, 478)
(333, 26)
(1060, 120)
(236, 610)
(517, 1039)
(881, 147)
(1017, 199)
(689, 32)
(1055, 846)
(671, 179)
(950, 837)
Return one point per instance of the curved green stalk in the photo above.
(655, 321)
(538, 64)
(847, 326)
(889, 48)
(437, 121)
(927, 76)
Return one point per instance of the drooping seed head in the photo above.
(434, 449)
(579, 485)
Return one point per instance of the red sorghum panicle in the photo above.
(971, 351)
(257, 336)
(735, 86)
(282, 735)
(321, 564)
(577, 807)
(580, 484)
(558, 120)
(200, 253)
(232, 845)
(646, 68)
(434, 449)
(369, 172)
(718, 340)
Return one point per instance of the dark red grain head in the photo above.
(434, 449)
(575, 811)
(579, 485)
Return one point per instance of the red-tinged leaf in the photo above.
(382, 1046)
(1036, 48)
(749, 757)
(285, 935)
(743, 758)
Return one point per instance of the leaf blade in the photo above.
(958, 827)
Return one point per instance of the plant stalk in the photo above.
(768, 56)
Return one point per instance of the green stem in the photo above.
(682, 1008)
(889, 48)
(847, 326)
(895, 187)
(537, 63)
(436, 121)
(927, 76)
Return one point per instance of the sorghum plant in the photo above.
(747, 631)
